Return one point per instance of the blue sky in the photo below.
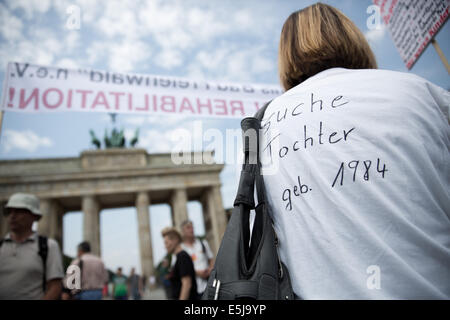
(213, 40)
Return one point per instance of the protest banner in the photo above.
(33, 88)
(413, 25)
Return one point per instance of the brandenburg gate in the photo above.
(117, 177)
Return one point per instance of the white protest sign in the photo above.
(413, 24)
(32, 88)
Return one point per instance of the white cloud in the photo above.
(126, 55)
(125, 35)
(129, 134)
(135, 121)
(118, 19)
(375, 36)
(71, 40)
(187, 137)
(231, 63)
(24, 140)
(261, 64)
(155, 141)
(169, 58)
(10, 26)
(206, 24)
(30, 7)
(161, 121)
(121, 56)
(38, 45)
(67, 63)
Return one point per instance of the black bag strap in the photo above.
(203, 245)
(260, 190)
(43, 252)
(260, 113)
(251, 177)
(250, 172)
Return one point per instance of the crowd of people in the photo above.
(32, 268)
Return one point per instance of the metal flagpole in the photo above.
(441, 54)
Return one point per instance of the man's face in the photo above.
(170, 244)
(20, 219)
(119, 271)
(188, 230)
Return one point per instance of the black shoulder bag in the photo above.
(247, 269)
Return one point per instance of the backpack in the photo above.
(255, 270)
(43, 252)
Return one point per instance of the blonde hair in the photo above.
(172, 233)
(317, 38)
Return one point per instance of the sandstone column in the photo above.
(209, 233)
(56, 223)
(178, 202)
(45, 206)
(145, 239)
(50, 224)
(220, 211)
(214, 216)
(91, 223)
(3, 222)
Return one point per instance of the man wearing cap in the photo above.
(31, 265)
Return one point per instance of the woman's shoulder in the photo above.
(358, 80)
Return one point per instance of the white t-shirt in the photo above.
(359, 184)
(200, 260)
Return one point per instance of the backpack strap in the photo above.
(250, 169)
(260, 113)
(259, 182)
(43, 253)
(203, 245)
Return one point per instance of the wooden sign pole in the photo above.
(441, 54)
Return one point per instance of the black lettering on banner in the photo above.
(134, 80)
(183, 84)
(248, 89)
(64, 71)
(164, 82)
(21, 72)
(42, 72)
